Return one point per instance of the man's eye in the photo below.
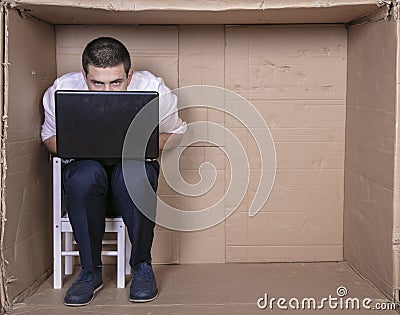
(98, 83)
(116, 83)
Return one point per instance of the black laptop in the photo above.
(93, 125)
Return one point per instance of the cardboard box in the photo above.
(328, 91)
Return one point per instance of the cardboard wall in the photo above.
(370, 145)
(199, 12)
(28, 232)
(396, 182)
(296, 77)
(287, 81)
(201, 62)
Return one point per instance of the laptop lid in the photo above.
(91, 124)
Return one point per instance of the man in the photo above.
(90, 184)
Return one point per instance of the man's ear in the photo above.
(84, 75)
(130, 75)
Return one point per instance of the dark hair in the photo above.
(104, 52)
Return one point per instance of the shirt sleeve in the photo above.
(49, 125)
(169, 119)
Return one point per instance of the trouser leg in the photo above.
(86, 184)
(140, 227)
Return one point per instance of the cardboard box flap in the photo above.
(211, 5)
(203, 12)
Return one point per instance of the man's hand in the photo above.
(51, 144)
(169, 141)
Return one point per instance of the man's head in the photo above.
(106, 65)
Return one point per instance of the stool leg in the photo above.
(68, 247)
(57, 273)
(127, 253)
(121, 256)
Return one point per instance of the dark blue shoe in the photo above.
(83, 289)
(143, 286)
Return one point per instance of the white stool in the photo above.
(61, 225)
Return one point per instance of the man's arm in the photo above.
(169, 141)
(51, 145)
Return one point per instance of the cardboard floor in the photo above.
(217, 289)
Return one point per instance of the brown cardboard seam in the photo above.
(396, 10)
(388, 3)
(5, 304)
(393, 7)
(383, 13)
(32, 288)
(7, 2)
(358, 273)
(396, 225)
(181, 5)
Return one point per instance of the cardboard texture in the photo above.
(396, 182)
(335, 173)
(370, 136)
(281, 70)
(31, 68)
(4, 303)
(201, 61)
(203, 12)
(222, 289)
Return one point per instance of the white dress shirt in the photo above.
(141, 81)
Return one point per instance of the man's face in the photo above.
(107, 79)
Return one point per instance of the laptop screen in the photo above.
(93, 124)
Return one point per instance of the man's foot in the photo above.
(143, 286)
(83, 289)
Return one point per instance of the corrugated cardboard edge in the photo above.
(4, 299)
(384, 12)
(210, 5)
(392, 12)
(396, 195)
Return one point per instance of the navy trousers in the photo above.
(93, 190)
